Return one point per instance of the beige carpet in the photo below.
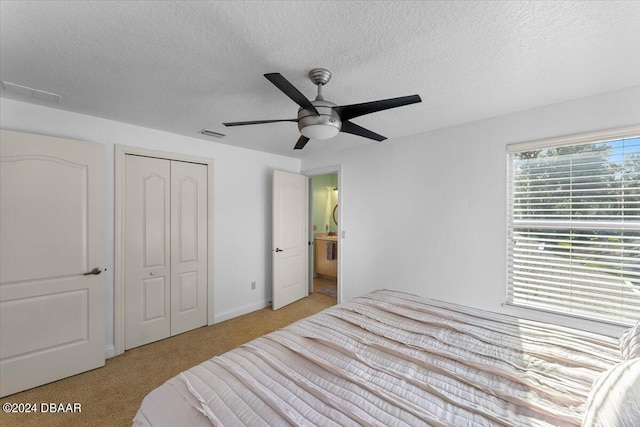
(110, 396)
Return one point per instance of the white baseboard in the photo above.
(240, 311)
(109, 351)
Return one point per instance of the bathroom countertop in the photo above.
(325, 236)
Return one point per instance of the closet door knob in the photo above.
(279, 250)
(96, 270)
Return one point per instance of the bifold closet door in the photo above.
(165, 248)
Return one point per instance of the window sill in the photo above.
(583, 323)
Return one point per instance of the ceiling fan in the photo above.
(321, 119)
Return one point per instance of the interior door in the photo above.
(51, 233)
(290, 238)
(147, 237)
(188, 246)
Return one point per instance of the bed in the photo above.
(394, 359)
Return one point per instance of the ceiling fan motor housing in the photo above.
(325, 125)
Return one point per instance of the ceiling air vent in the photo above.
(31, 92)
(209, 132)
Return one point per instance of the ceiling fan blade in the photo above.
(258, 122)
(291, 91)
(354, 129)
(347, 112)
(301, 142)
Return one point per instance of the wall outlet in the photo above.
(253, 286)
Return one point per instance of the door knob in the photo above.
(279, 250)
(96, 270)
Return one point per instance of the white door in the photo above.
(165, 229)
(147, 237)
(188, 246)
(290, 238)
(51, 232)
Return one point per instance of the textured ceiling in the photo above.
(184, 66)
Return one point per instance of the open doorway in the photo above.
(324, 219)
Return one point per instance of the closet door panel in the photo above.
(147, 255)
(188, 246)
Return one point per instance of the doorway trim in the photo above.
(118, 310)
(310, 173)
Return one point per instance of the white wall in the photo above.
(407, 205)
(427, 214)
(242, 199)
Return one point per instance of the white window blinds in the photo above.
(574, 227)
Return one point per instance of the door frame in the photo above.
(310, 173)
(120, 152)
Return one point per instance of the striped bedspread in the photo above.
(392, 359)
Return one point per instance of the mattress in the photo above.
(392, 359)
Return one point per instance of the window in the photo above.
(574, 226)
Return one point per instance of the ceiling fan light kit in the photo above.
(321, 119)
(324, 125)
